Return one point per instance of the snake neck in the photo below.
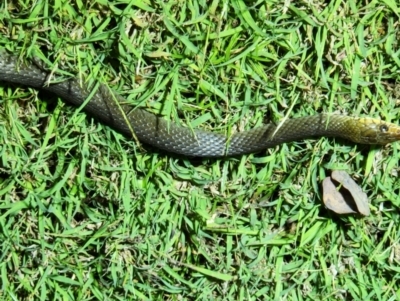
(318, 125)
(271, 135)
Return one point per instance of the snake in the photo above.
(113, 110)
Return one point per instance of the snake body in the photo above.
(111, 109)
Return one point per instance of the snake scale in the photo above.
(111, 109)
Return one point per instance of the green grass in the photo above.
(86, 214)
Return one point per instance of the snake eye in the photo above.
(384, 128)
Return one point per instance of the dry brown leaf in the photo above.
(342, 195)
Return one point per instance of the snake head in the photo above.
(375, 131)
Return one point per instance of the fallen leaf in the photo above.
(342, 195)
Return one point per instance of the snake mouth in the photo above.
(388, 133)
(394, 136)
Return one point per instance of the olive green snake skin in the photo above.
(110, 108)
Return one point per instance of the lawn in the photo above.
(89, 214)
